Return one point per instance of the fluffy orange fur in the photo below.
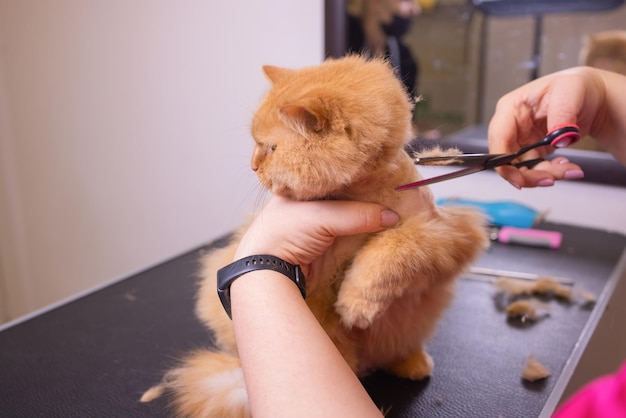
(337, 131)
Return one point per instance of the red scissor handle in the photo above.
(563, 135)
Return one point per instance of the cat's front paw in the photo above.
(416, 366)
(358, 312)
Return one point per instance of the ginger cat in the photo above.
(337, 131)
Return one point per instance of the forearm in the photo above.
(291, 366)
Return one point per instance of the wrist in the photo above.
(262, 292)
(228, 274)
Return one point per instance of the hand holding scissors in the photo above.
(559, 137)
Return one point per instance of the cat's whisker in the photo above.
(261, 198)
(257, 193)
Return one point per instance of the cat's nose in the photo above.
(254, 167)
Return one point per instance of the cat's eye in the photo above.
(273, 148)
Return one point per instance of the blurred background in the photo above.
(470, 53)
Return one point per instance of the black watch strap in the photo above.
(227, 275)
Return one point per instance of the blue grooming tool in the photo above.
(500, 213)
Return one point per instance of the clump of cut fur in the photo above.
(534, 370)
(526, 310)
(520, 297)
(437, 151)
(588, 298)
(542, 286)
(338, 131)
(521, 305)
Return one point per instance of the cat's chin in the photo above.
(308, 198)
(304, 197)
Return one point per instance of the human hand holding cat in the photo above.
(299, 232)
(587, 97)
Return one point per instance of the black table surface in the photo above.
(94, 356)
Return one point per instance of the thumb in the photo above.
(349, 218)
(566, 100)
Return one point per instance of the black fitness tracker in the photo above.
(227, 275)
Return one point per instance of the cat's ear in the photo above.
(275, 73)
(303, 119)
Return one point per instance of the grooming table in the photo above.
(96, 355)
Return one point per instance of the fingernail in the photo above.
(563, 161)
(574, 174)
(388, 218)
(517, 186)
(545, 183)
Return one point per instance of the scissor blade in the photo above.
(460, 159)
(443, 177)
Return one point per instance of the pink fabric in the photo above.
(604, 397)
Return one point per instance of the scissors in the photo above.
(559, 137)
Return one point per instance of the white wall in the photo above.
(124, 131)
